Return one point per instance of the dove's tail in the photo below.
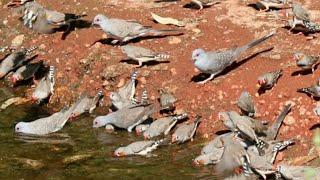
(261, 145)
(274, 129)
(282, 145)
(30, 50)
(144, 97)
(313, 27)
(304, 90)
(134, 76)
(256, 42)
(165, 32)
(162, 56)
(51, 74)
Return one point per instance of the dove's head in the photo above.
(15, 77)
(141, 128)
(262, 81)
(23, 127)
(99, 19)
(100, 121)
(202, 160)
(121, 151)
(198, 53)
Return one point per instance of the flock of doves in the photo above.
(249, 148)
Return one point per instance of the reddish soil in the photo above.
(81, 67)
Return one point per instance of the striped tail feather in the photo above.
(181, 116)
(134, 76)
(30, 50)
(144, 97)
(313, 27)
(162, 56)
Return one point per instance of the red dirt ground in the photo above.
(81, 67)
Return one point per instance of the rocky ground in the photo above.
(85, 68)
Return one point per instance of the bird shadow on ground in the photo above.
(38, 75)
(108, 41)
(203, 76)
(149, 63)
(222, 132)
(298, 30)
(302, 72)
(79, 24)
(260, 7)
(309, 95)
(314, 127)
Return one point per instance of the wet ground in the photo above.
(81, 151)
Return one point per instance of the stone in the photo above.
(17, 41)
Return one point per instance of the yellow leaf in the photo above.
(167, 20)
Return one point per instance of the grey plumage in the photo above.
(269, 79)
(46, 125)
(45, 88)
(245, 103)
(267, 4)
(186, 131)
(126, 118)
(163, 125)
(86, 104)
(14, 60)
(138, 148)
(26, 72)
(313, 90)
(210, 158)
(214, 144)
(43, 20)
(306, 62)
(232, 156)
(123, 31)
(246, 126)
(125, 95)
(214, 62)
(142, 55)
(167, 100)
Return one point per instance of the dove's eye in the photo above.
(96, 123)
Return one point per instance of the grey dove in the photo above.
(45, 87)
(269, 79)
(26, 72)
(245, 103)
(167, 100)
(233, 153)
(267, 4)
(46, 125)
(126, 118)
(123, 30)
(86, 104)
(313, 91)
(125, 96)
(246, 126)
(212, 152)
(143, 55)
(298, 172)
(138, 148)
(14, 60)
(186, 131)
(214, 62)
(204, 3)
(43, 20)
(306, 62)
(163, 125)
